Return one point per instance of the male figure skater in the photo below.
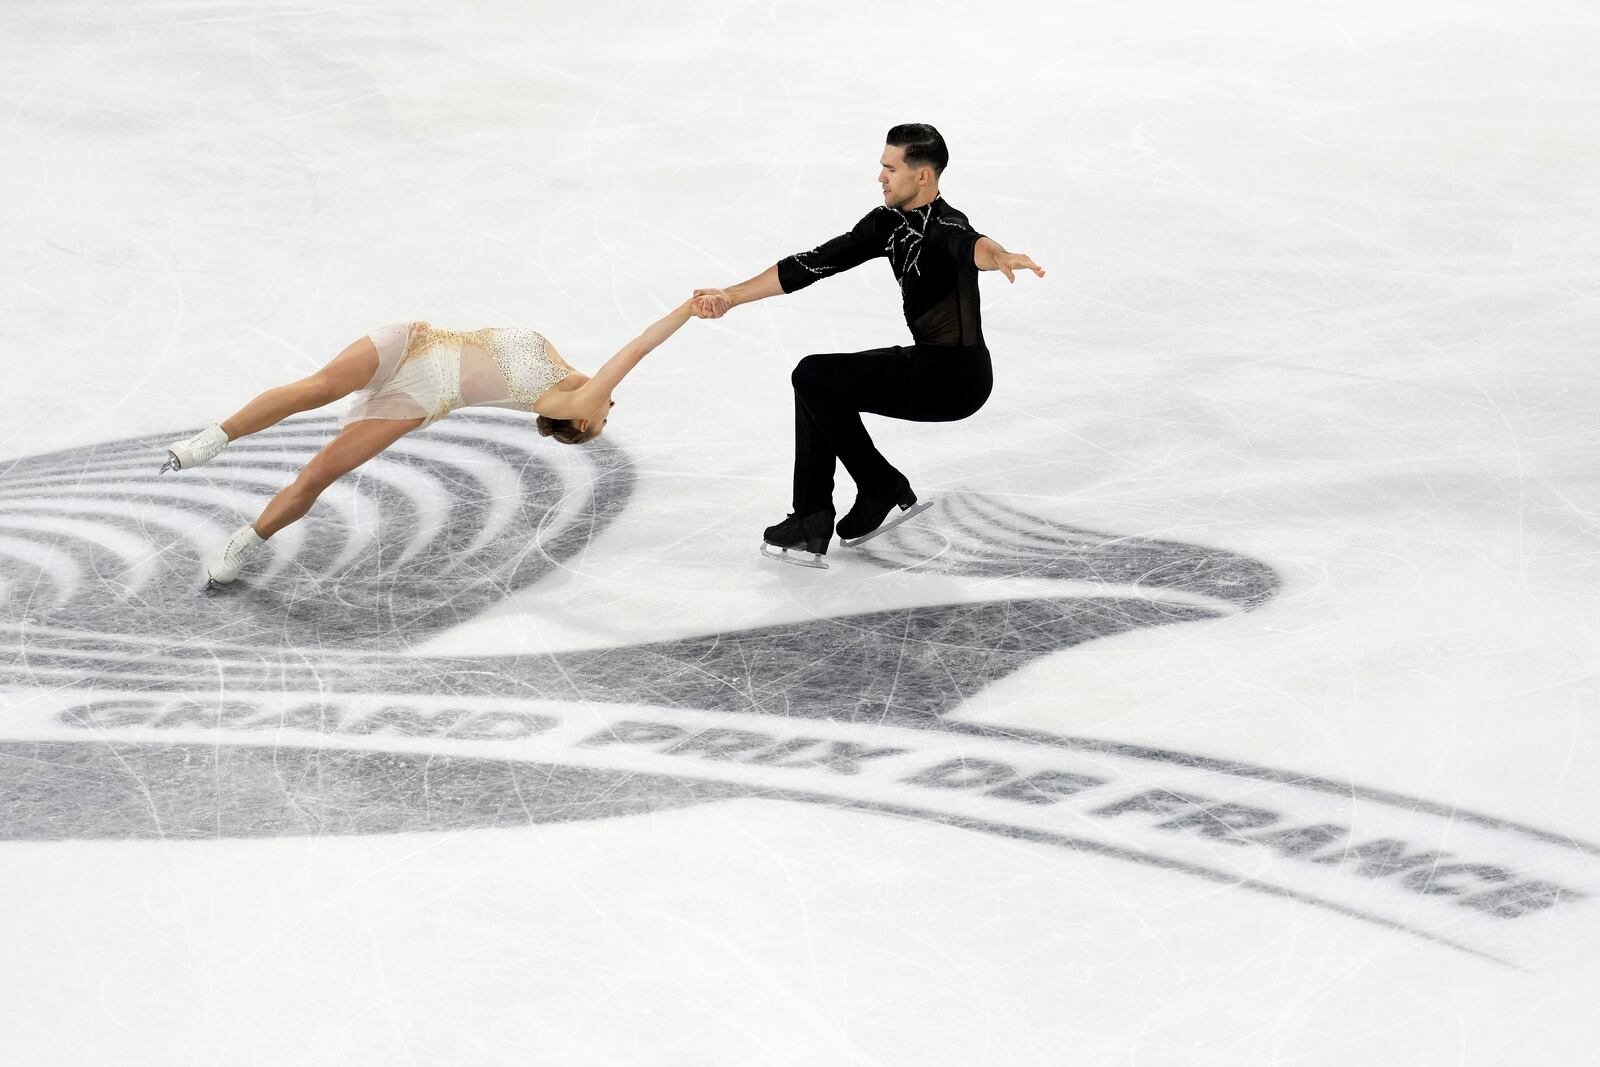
(943, 376)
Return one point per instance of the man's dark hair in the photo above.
(922, 145)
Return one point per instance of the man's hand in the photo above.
(988, 255)
(711, 303)
(1009, 262)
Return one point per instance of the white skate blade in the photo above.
(895, 519)
(798, 557)
(171, 464)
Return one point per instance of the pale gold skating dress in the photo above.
(427, 372)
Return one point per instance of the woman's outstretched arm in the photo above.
(617, 367)
(715, 303)
(587, 399)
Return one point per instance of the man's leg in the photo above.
(828, 425)
(814, 460)
(832, 390)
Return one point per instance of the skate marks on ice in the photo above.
(450, 521)
(977, 536)
(292, 705)
(103, 554)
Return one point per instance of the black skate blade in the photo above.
(894, 519)
(798, 557)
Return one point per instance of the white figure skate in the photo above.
(203, 447)
(226, 562)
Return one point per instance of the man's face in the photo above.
(899, 179)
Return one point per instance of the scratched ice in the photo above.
(1230, 706)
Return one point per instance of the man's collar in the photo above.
(929, 204)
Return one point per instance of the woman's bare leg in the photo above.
(355, 444)
(343, 375)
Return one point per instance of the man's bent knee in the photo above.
(810, 373)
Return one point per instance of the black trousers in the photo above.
(921, 383)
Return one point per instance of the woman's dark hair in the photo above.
(922, 145)
(565, 430)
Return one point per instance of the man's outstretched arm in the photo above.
(988, 255)
(789, 275)
(714, 303)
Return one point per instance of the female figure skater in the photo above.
(411, 374)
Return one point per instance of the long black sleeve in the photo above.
(958, 239)
(865, 241)
(930, 250)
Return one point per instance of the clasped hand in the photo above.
(710, 303)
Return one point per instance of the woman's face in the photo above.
(598, 419)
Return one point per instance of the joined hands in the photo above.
(710, 303)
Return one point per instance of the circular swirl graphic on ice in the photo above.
(974, 535)
(100, 555)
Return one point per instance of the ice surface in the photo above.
(1231, 706)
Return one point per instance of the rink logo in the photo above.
(1492, 889)
(296, 704)
(1487, 887)
(1285, 840)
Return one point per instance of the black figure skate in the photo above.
(801, 540)
(867, 518)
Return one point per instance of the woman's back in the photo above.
(426, 371)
